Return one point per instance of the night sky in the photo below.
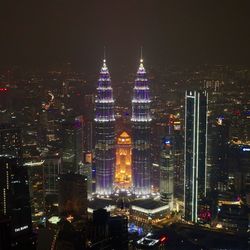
(171, 32)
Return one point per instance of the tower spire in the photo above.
(141, 118)
(104, 54)
(141, 59)
(105, 133)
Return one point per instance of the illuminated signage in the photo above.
(19, 229)
(246, 149)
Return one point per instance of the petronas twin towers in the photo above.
(105, 134)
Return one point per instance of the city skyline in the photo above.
(124, 125)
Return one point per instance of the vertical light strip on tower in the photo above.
(195, 153)
(141, 121)
(105, 134)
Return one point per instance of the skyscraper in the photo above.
(72, 148)
(218, 138)
(14, 197)
(141, 121)
(105, 134)
(167, 171)
(195, 152)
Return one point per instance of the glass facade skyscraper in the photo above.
(105, 134)
(195, 152)
(141, 121)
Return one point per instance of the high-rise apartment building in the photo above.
(195, 152)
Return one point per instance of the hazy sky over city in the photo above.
(171, 32)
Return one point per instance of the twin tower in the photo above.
(105, 134)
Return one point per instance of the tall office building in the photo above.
(218, 138)
(14, 198)
(195, 152)
(72, 138)
(105, 134)
(141, 121)
(167, 171)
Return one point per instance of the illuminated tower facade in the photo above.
(195, 153)
(105, 134)
(141, 121)
(123, 173)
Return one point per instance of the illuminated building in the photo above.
(123, 161)
(167, 172)
(141, 125)
(36, 187)
(195, 152)
(105, 134)
(145, 213)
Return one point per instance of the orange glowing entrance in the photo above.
(123, 176)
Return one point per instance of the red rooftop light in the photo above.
(3, 89)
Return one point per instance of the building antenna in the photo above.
(104, 54)
(141, 60)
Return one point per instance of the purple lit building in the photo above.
(141, 121)
(105, 134)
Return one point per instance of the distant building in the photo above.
(195, 152)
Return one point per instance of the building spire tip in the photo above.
(104, 54)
